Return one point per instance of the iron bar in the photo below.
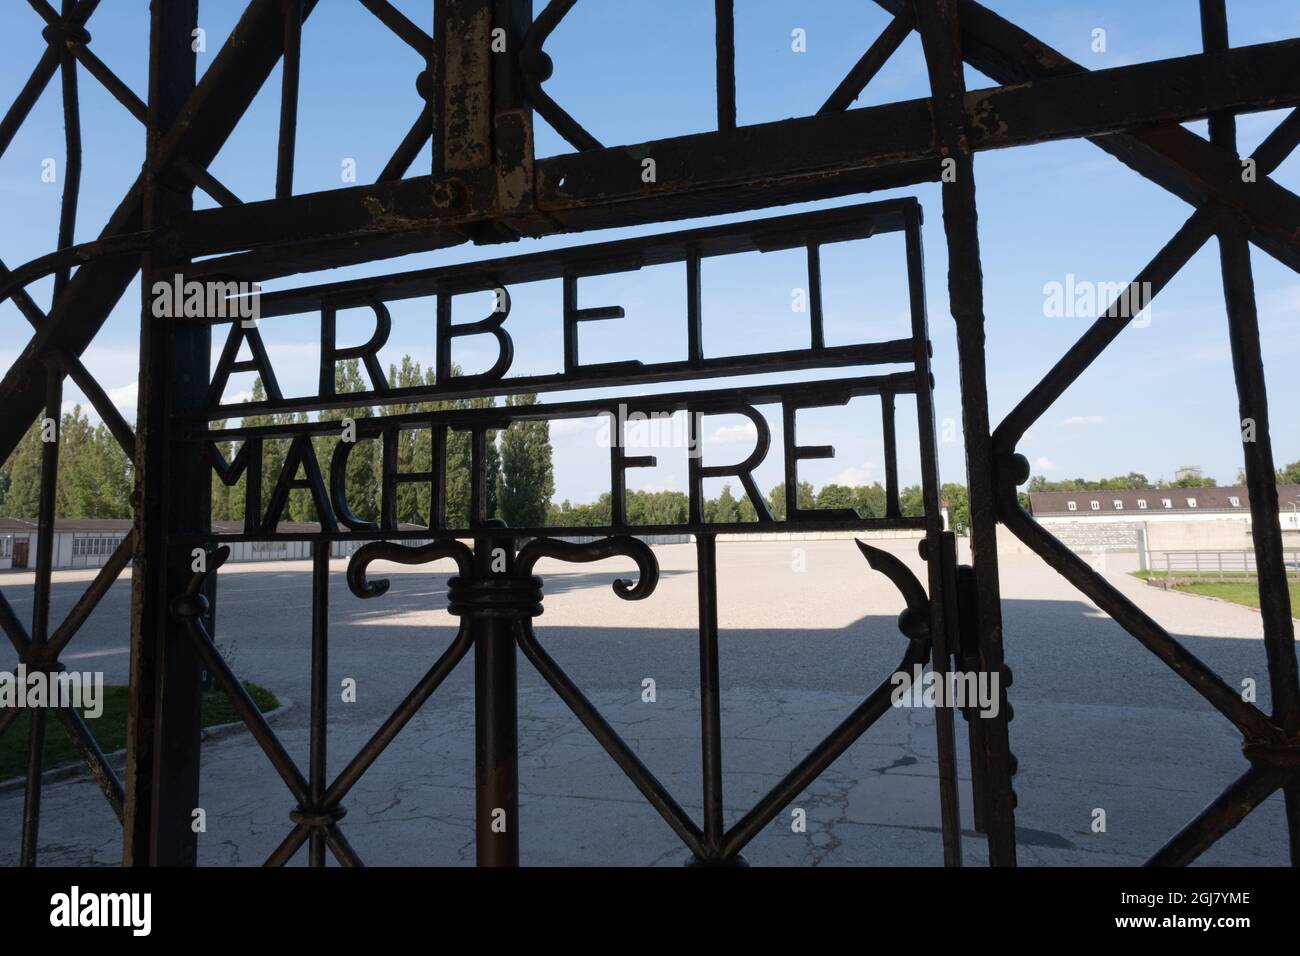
(105, 578)
(72, 141)
(320, 689)
(292, 10)
(706, 573)
(1227, 810)
(401, 25)
(605, 735)
(885, 45)
(37, 645)
(939, 545)
(1223, 697)
(223, 94)
(1174, 158)
(407, 709)
(40, 77)
(822, 756)
(724, 15)
(1261, 482)
(496, 723)
(172, 494)
(940, 39)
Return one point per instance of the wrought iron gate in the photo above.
(486, 185)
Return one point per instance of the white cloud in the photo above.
(863, 474)
(746, 432)
(1044, 463)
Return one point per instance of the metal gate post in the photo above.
(172, 497)
(496, 728)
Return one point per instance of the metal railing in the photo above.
(1220, 564)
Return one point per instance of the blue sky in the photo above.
(1160, 398)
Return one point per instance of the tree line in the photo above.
(96, 478)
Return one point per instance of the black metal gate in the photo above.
(486, 185)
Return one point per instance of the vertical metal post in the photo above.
(940, 547)
(496, 727)
(41, 608)
(1261, 479)
(173, 487)
(706, 572)
(320, 615)
(941, 42)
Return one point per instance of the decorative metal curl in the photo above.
(634, 548)
(913, 620)
(402, 554)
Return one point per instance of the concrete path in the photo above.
(1100, 724)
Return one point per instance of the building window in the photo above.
(94, 546)
(1234, 501)
(1119, 505)
(6, 546)
(1072, 506)
(1142, 504)
(1191, 502)
(1096, 506)
(1165, 502)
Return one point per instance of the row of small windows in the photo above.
(98, 546)
(1118, 505)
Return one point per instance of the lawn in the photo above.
(1237, 592)
(109, 728)
(1244, 591)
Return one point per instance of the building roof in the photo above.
(1114, 501)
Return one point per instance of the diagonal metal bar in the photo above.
(224, 93)
(1245, 717)
(250, 714)
(136, 107)
(79, 374)
(395, 20)
(856, 80)
(655, 793)
(13, 627)
(822, 756)
(290, 845)
(340, 846)
(1170, 156)
(1231, 807)
(407, 709)
(40, 78)
(100, 770)
(90, 598)
(419, 134)
(1190, 238)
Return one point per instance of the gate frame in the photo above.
(487, 186)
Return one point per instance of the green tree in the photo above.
(527, 479)
(362, 479)
(836, 496)
(958, 501)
